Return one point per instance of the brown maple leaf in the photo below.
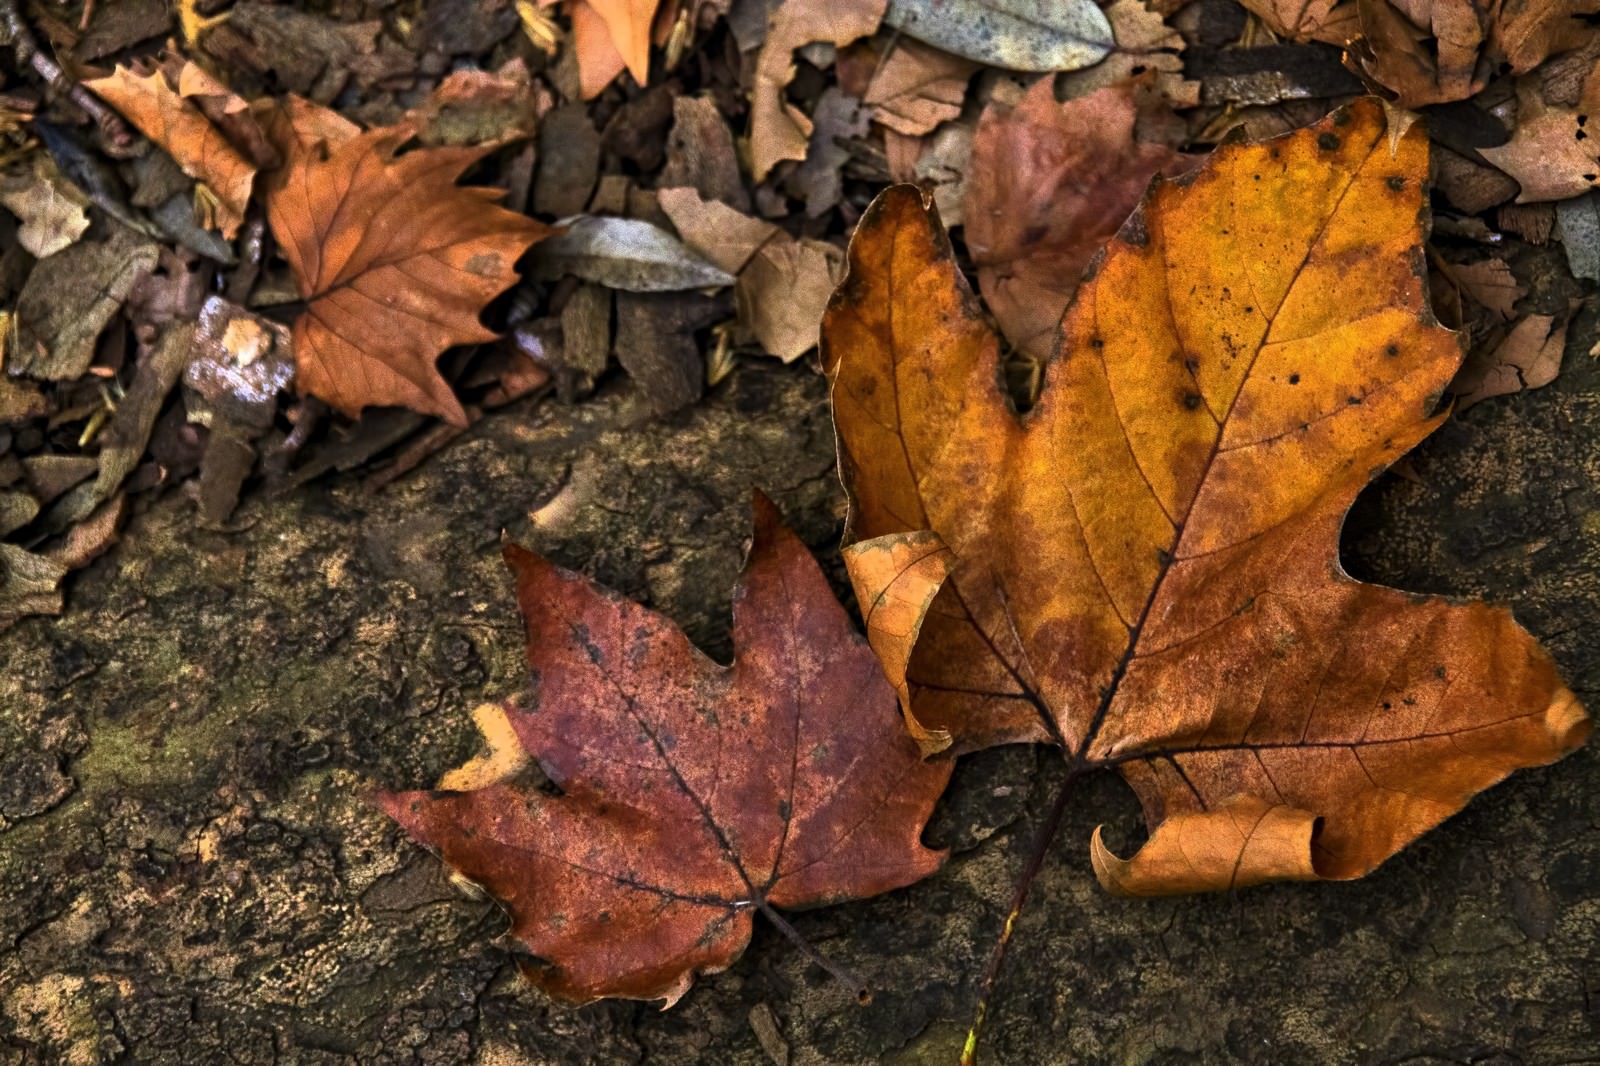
(692, 795)
(206, 129)
(395, 259)
(1145, 566)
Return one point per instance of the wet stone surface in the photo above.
(190, 870)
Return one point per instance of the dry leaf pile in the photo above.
(718, 152)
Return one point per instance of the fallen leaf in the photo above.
(917, 87)
(1422, 51)
(1526, 32)
(68, 299)
(726, 237)
(395, 259)
(1330, 21)
(150, 98)
(1147, 49)
(594, 50)
(29, 584)
(1552, 153)
(480, 107)
(1528, 357)
(1146, 565)
(1036, 35)
(624, 43)
(783, 291)
(778, 129)
(700, 153)
(625, 253)
(1436, 51)
(1491, 283)
(1048, 183)
(819, 180)
(50, 208)
(692, 795)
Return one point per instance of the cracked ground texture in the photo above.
(190, 869)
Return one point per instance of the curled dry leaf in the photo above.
(1040, 35)
(778, 129)
(395, 259)
(1527, 357)
(692, 794)
(1146, 565)
(917, 87)
(161, 102)
(1048, 183)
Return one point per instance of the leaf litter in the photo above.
(175, 273)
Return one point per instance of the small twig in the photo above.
(837, 972)
(991, 973)
(15, 32)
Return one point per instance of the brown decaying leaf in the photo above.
(1423, 51)
(1147, 563)
(395, 259)
(1554, 152)
(1436, 51)
(778, 129)
(1527, 357)
(154, 104)
(783, 291)
(1491, 283)
(1147, 48)
(692, 794)
(916, 87)
(1048, 183)
(1330, 21)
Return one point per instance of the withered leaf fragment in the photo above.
(395, 259)
(692, 794)
(1146, 565)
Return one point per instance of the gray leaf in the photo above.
(625, 253)
(1015, 34)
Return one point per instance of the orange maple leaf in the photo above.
(395, 259)
(1144, 567)
(169, 103)
(692, 795)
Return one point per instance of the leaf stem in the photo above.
(837, 972)
(1041, 848)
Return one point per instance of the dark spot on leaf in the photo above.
(1438, 671)
(1353, 401)
(1328, 142)
(1191, 364)
(1392, 350)
(1396, 183)
(1191, 400)
(1388, 706)
(1096, 342)
(784, 810)
(1294, 379)
(1341, 118)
